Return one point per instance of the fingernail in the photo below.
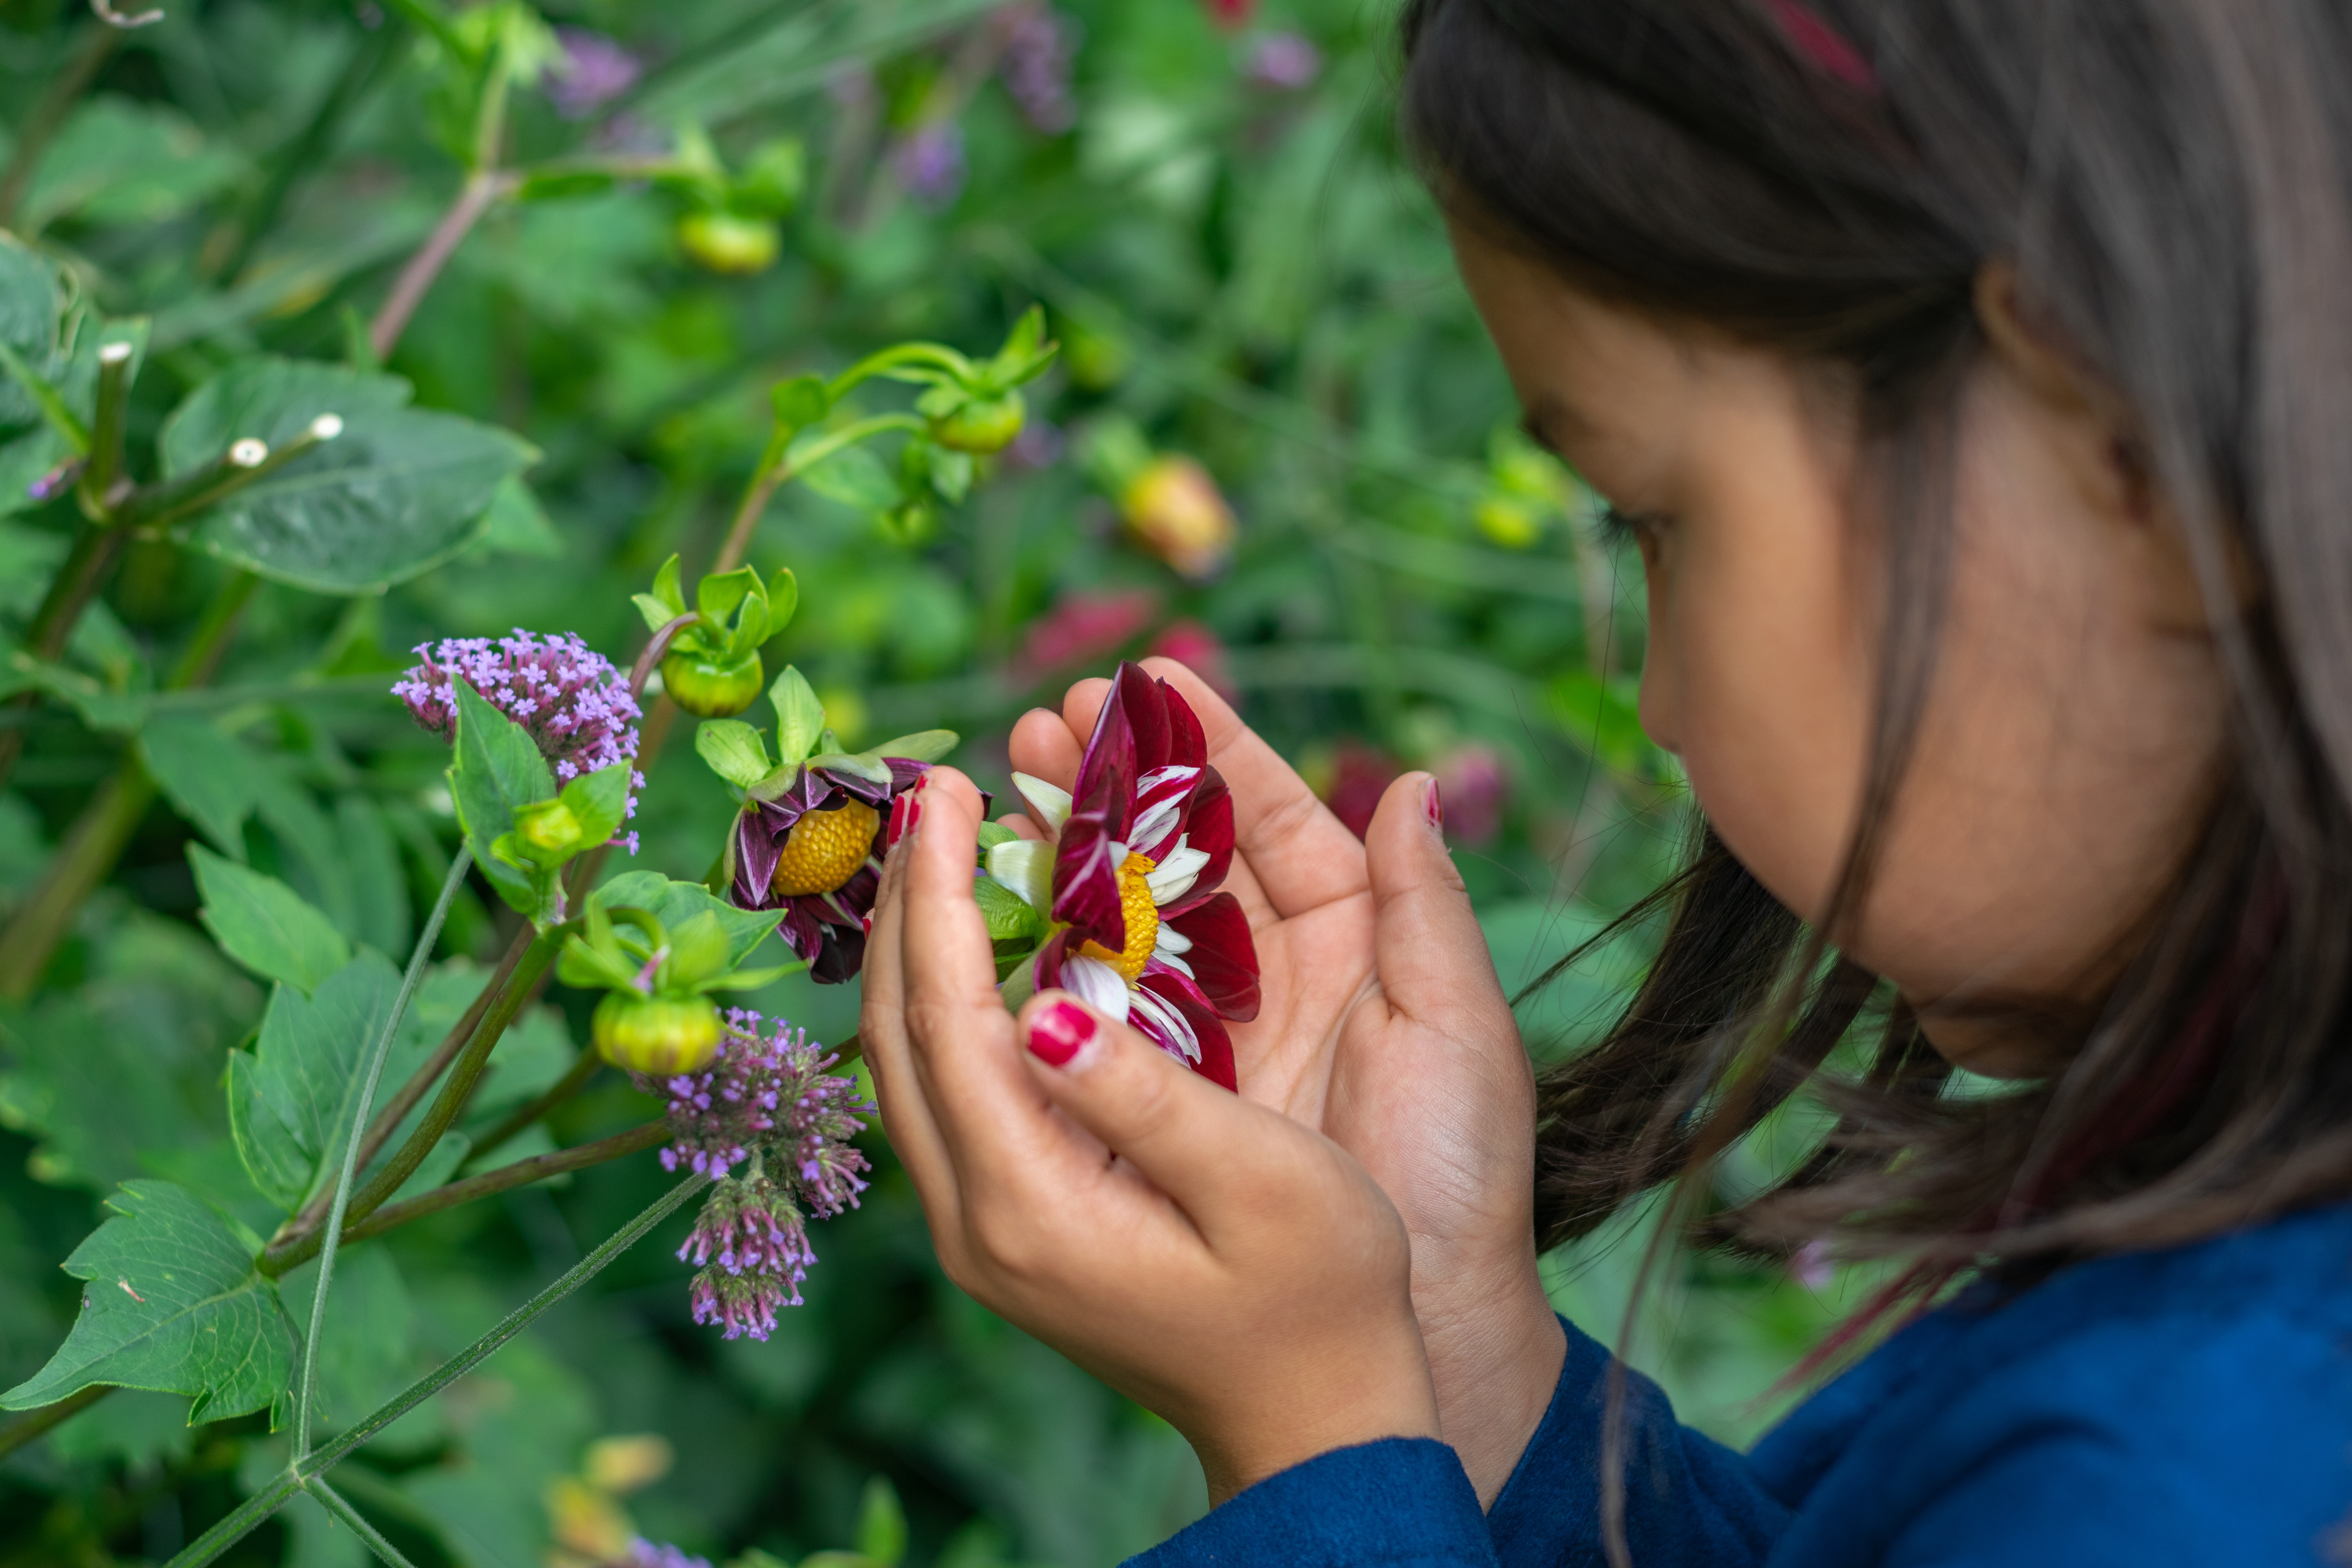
(1430, 806)
(1059, 1031)
(897, 827)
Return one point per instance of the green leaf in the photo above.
(784, 598)
(209, 778)
(861, 764)
(124, 161)
(497, 767)
(1008, 914)
(881, 1522)
(600, 801)
(800, 717)
(266, 925)
(291, 1098)
(31, 303)
(675, 903)
(174, 1306)
(800, 402)
(517, 524)
(949, 473)
(734, 749)
(401, 491)
(698, 951)
(719, 594)
(668, 592)
(922, 746)
(853, 476)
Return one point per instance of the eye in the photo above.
(1617, 527)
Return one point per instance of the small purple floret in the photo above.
(1039, 46)
(594, 70)
(644, 1553)
(1284, 62)
(569, 697)
(930, 163)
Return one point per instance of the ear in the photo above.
(2098, 438)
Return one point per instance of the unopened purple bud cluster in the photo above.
(567, 696)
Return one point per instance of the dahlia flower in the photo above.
(808, 840)
(1128, 880)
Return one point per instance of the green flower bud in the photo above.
(984, 424)
(723, 242)
(662, 1035)
(711, 687)
(547, 832)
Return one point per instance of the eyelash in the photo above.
(1617, 527)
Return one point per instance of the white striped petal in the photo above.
(1025, 866)
(1175, 876)
(1049, 806)
(1170, 939)
(1098, 985)
(1166, 1024)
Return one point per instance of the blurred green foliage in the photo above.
(684, 204)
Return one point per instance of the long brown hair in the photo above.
(2169, 180)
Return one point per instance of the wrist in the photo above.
(1344, 1401)
(1496, 1348)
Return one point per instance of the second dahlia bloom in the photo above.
(1129, 879)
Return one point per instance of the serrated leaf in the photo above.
(291, 1098)
(401, 491)
(734, 751)
(173, 1305)
(266, 925)
(800, 717)
(210, 779)
(675, 903)
(922, 746)
(853, 476)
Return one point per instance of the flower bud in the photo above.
(1509, 521)
(712, 688)
(547, 832)
(1176, 511)
(722, 242)
(982, 426)
(657, 1034)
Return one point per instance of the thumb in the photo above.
(1185, 1135)
(1433, 963)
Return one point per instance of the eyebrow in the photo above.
(1548, 414)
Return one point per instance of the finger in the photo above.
(1435, 965)
(988, 1110)
(882, 1027)
(1018, 821)
(1302, 856)
(1202, 1146)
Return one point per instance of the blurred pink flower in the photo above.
(1284, 62)
(1084, 627)
(1175, 510)
(1039, 43)
(1360, 775)
(1196, 648)
(594, 70)
(1230, 14)
(929, 163)
(1472, 782)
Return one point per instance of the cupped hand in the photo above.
(1229, 1269)
(1383, 1026)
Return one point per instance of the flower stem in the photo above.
(33, 136)
(571, 1083)
(506, 1178)
(453, 1096)
(481, 191)
(773, 470)
(272, 1497)
(306, 1392)
(643, 671)
(335, 1504)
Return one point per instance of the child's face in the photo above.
(2074, 731)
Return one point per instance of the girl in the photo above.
(1972, 375)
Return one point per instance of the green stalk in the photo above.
(384, 1550)
(23, 1430)
(106, 427)
(896, 354)
(506, 1178)
(454, 1093)
(157, 505)
(306, 1392)
(271, 1498)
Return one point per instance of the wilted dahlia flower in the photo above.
(767, 1104)
(1129, 879)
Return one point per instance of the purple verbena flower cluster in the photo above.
(569, 697)
(1039, 44)
(768, 1102)
(928, 162)
(594, 70)
(644, 1553)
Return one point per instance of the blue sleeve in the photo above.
(1690, 1502)
(1401, 1503)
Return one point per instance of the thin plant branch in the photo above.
(481, 191)
(342, 1509)
(26, 1428)
(306, 1392)
(506, 1178)
(272, 1497)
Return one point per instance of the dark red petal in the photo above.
(844, 955)
(1216, 1063)
(1049, 961)
(1146, 703)
(1108, 772)
(800, 931)
(1208, 827)
(1188, 743)
(758, 846)
(1222, 957)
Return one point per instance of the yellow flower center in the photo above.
(824, 849)
(1142, 920)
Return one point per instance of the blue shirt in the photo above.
(2189, 1406)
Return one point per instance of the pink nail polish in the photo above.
(1060, 1032)
(1431, 806)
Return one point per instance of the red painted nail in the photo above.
(898, 823)
(1060, 1032)
(1431, 806)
